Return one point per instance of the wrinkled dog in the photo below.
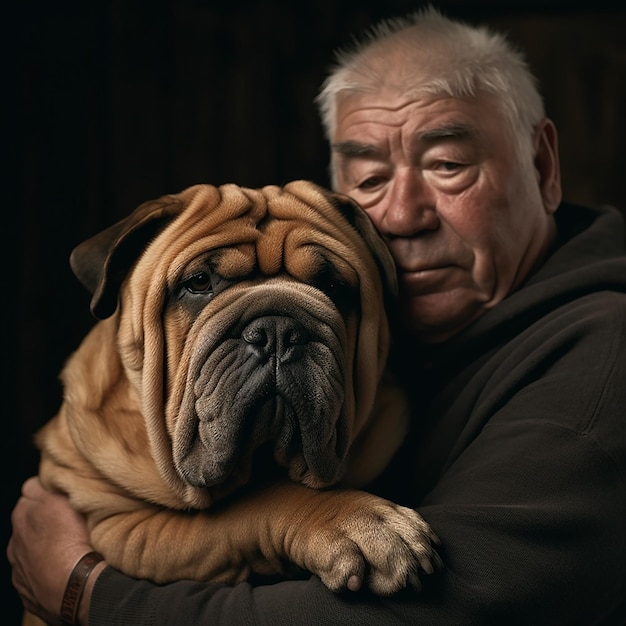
(239, 329)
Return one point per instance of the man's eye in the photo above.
(198, 283)
(449, 166)
(371, 183)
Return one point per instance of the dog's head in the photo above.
(247, 318)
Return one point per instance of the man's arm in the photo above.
(552, 555)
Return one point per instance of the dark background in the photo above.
(113, 103)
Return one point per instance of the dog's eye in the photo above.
(343, 294)
(328, 281)
(333, 288)
(199, 283)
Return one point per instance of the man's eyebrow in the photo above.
(354, 148)
(351, 148)
(448, 131)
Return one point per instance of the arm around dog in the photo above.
(520, 558)
(501, 560)
(487, 549)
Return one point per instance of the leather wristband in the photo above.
(76, 586)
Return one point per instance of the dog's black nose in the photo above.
(275, 335)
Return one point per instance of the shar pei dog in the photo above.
(225, 413)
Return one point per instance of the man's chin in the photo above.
(435, 318)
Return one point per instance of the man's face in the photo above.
(462, 214)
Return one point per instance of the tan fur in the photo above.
(114, 445)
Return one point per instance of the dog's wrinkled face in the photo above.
(264, 362)
(253, 317)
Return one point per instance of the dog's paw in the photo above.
(355, 539)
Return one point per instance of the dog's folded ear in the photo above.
(102, 262)
(357, 216)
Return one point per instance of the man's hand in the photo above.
(48, 539)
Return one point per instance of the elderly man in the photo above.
(513, 346)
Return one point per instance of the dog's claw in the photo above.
(354, 583)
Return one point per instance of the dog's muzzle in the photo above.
(275, 376)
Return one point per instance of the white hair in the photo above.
(426, 53)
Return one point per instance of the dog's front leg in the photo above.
(346, 537)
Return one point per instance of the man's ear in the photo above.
(547, 166)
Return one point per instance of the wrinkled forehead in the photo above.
(240, 232)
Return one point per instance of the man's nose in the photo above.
(410, 208)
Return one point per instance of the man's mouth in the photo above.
(426, 280)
